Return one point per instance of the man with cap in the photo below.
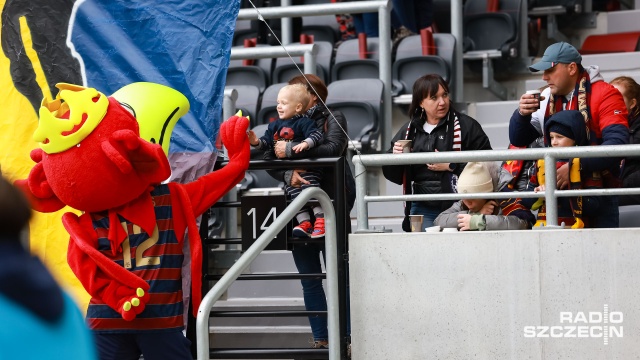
(572, 86)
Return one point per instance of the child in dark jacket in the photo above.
(563, 129)
(294, 125)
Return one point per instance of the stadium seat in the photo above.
(360, 101)
(248, 100)
(245, 29)
(268, 104)
(485, 29)
(349, 65)
(284, 69)
(410, 64)
(492, 38)
(257, 74)
(611, 43)
(323, 28)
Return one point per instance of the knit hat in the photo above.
(475, 178)
(562, 130)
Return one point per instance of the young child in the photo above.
(567, 128)
(485, 214)
(293, 126)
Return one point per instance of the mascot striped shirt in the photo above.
(157, 259)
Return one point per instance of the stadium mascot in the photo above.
(127, 246)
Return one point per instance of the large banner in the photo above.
(107, 44)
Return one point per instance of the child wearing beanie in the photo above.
(485, 214)
(563, 129)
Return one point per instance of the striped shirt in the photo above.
(157, 259)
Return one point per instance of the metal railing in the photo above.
(308, 51)
(550, 155)
(382, 7)
(202, 320)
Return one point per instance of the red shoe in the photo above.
(302, 230)
(318, 228)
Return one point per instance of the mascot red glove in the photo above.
(126, 247)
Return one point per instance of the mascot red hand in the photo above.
(126, 248)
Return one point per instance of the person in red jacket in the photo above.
(574, 87)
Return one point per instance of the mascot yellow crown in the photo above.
(85, 108)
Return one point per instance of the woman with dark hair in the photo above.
(434, 126)
(334, 143)
(630, 172)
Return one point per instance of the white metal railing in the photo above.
(331, 263)
(361, 162)
(308, 51)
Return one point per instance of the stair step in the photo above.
(263, 305)
(295, 329)
(256, 337)
(231, 353)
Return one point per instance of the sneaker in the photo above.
(319, 344)
(302, 230)
(318, 228)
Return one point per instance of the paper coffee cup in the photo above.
(416, 223)
(406, 145)
(536, 95)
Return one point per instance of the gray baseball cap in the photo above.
(561, 52)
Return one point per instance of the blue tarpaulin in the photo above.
(183, 44)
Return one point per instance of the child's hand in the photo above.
(539, 188)
(300, 147)
(253, 138)
(464, 221)
(488, 207)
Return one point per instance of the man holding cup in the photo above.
(574, 87)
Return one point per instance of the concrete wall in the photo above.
(470, 295)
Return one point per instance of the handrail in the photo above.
(548, 154)
(202, 320)
(382, 7)
(309, 51)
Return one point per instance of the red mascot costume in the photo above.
(127, 246)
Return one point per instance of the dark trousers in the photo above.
(172, 345)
